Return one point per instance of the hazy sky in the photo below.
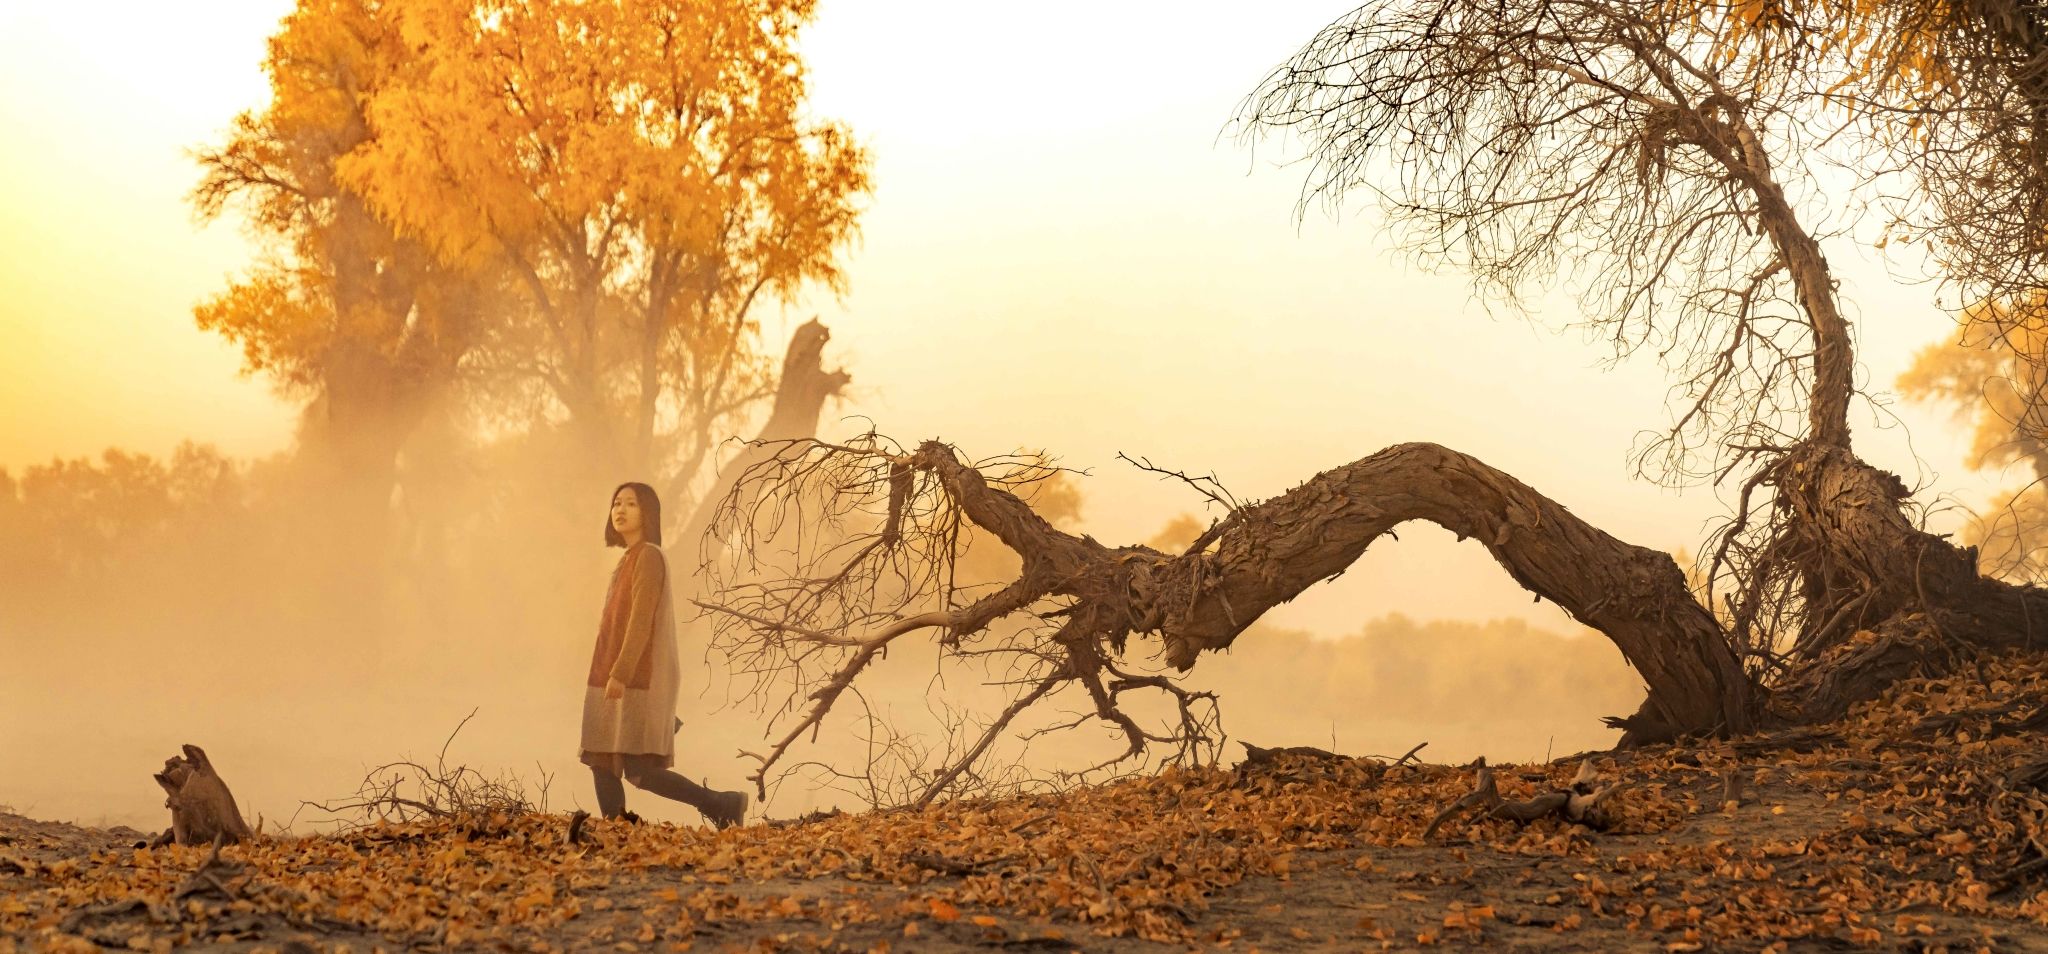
(1060, 253)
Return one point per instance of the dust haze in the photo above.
(153, 602)
(474, 374)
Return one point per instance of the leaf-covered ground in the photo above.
(1918, 824)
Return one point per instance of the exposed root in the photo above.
(1266, 767)
(958, 869)
(807, 818)
(1258, 755)
(76, 919)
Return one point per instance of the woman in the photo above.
(629, 706)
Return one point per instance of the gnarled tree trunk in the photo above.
(1918, 600)
(1267, 554)
(1839, 531)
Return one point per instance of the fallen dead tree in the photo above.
(1522, 153)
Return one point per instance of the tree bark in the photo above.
(1729, 138)
(1267, 554)
(1908, 602)
(1886, 599)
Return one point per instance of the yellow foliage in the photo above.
(1994, 373)
(611, 136)
(277, 315)
(1886, 45)
(1991, 372)
(340, 302)
(640, 168)
(579, 200)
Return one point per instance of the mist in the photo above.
(426, 544)
(199, 599)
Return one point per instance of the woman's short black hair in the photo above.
(650, 515)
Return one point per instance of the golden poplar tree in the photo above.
(643, 172)
(575, 211)
(1993, 372)
(363, 323)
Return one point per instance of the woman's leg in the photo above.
(646, 773)
(611, 793)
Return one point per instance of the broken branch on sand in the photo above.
(1576, 803)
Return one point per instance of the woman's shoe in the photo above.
(728, 809)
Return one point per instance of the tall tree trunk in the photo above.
(800, 396)
(374, 377)
(1921, 597)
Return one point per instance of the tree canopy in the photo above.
(545, 212)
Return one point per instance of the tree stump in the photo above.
(202, 808)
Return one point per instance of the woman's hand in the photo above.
(614, 689)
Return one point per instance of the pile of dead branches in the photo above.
(408, 791)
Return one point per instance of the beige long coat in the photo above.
(636, 643)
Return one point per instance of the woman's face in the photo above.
(626, 513)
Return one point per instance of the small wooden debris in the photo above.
(1731, 785)
(202, 808)
(1577, 803)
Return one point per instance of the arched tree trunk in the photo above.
(1918, 600)
(1267, 554)
(1922, 597)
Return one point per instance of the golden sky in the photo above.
(1061, 252)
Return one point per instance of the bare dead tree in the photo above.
(1614, 145)
(841, 550)
(1535, 141)
(1952, 98)
(801, 391)
(1626, 146)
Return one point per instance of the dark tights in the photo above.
(647, 774)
